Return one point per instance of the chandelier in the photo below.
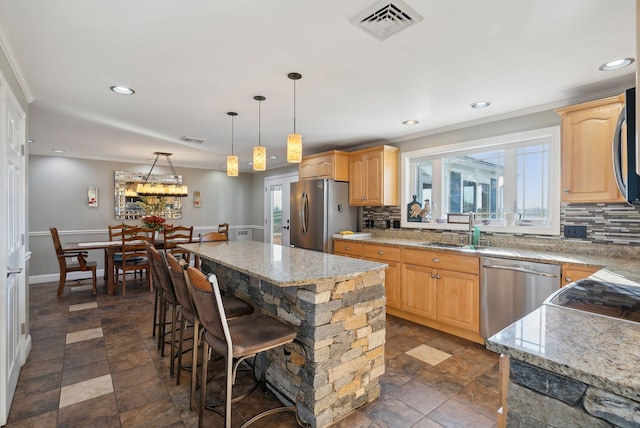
(157, 187)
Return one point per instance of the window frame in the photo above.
(552, 134)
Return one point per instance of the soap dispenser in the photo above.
(475, 240)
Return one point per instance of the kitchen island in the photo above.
(336, 305)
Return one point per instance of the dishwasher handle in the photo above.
(520, 269)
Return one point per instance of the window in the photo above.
(515, 173)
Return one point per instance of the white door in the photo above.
(12, 252)
(276, 208)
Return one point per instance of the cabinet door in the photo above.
(307, 169)
(587, 172)
(458, 299)
(374, 191)
(392, 285)
(357, 177)
(325, 167)
(419, 290)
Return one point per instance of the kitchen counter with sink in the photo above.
(561, 366)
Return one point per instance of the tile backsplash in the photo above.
(606, 223)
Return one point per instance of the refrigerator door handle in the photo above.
(304, 213)
(617, 152)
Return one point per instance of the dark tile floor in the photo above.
(95, 363)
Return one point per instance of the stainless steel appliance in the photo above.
(626, 152)
(320, 208)
(607, 299)
(510, 289)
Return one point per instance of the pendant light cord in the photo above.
(294, 106)
(259, 120)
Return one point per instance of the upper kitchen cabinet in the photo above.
(373, 176)
(333, 164)
(587, 135)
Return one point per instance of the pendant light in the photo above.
(294, 141)
(259, 152)
(232, 161)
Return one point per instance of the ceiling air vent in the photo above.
(385, 18)
(194, 140)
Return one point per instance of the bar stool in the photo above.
(167, 296)
(233, 306)
(236, 339)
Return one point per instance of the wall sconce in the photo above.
(196, 199)
(92, 196)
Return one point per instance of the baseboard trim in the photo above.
(55, 277)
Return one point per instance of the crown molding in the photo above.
(13, 63)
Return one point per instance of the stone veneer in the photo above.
(340, 324)
(540, 398)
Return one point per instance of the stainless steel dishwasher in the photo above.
(510, 289)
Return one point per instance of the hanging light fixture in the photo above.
(294, 141)
(159, 187)
(259, 152)
(232, 161)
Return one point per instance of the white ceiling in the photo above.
(192, 61)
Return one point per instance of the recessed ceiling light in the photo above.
(410, 122)
(250, 163)
(616, 64)
(481, 104)
(58, 151)
(273, 157)
(31, 140)
(223, 166)
(122, 90)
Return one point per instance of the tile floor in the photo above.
(95, 363)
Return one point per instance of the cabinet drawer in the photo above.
(442, 260)
(347, 248)
(381, 252)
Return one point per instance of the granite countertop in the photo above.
(599, 351)
(279, 265)
(613, 268)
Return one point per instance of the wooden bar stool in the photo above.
(236, 339)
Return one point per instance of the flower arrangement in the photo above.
(154, 222)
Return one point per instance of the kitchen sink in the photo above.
(441, 245)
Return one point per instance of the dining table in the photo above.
(110, 249)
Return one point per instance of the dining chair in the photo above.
(173, 236)
(134, 255)
(224, 228)
(235, 339)
(168, 298)
(211, 237)
(234, 307)
(79, 265)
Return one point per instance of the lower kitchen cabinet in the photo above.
(572, 273)
(442, 290)
(419, 290)
(458, 299)
(391, 256)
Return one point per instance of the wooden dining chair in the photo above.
(80, 265)
(134, 255)
(211, 237)
(224, 228)
(173, 236)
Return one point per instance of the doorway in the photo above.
(276, 208)
(14, 343)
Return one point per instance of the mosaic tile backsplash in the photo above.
(605, 223)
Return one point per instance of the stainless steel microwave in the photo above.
(627, 168)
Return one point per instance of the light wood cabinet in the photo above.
(442, 290)
(333, 164)
(587, 135)
(419, 290)
(373, 176)
(391, 256)
(572, 273)
(347, 248)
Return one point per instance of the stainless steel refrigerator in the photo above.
(320, 208)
